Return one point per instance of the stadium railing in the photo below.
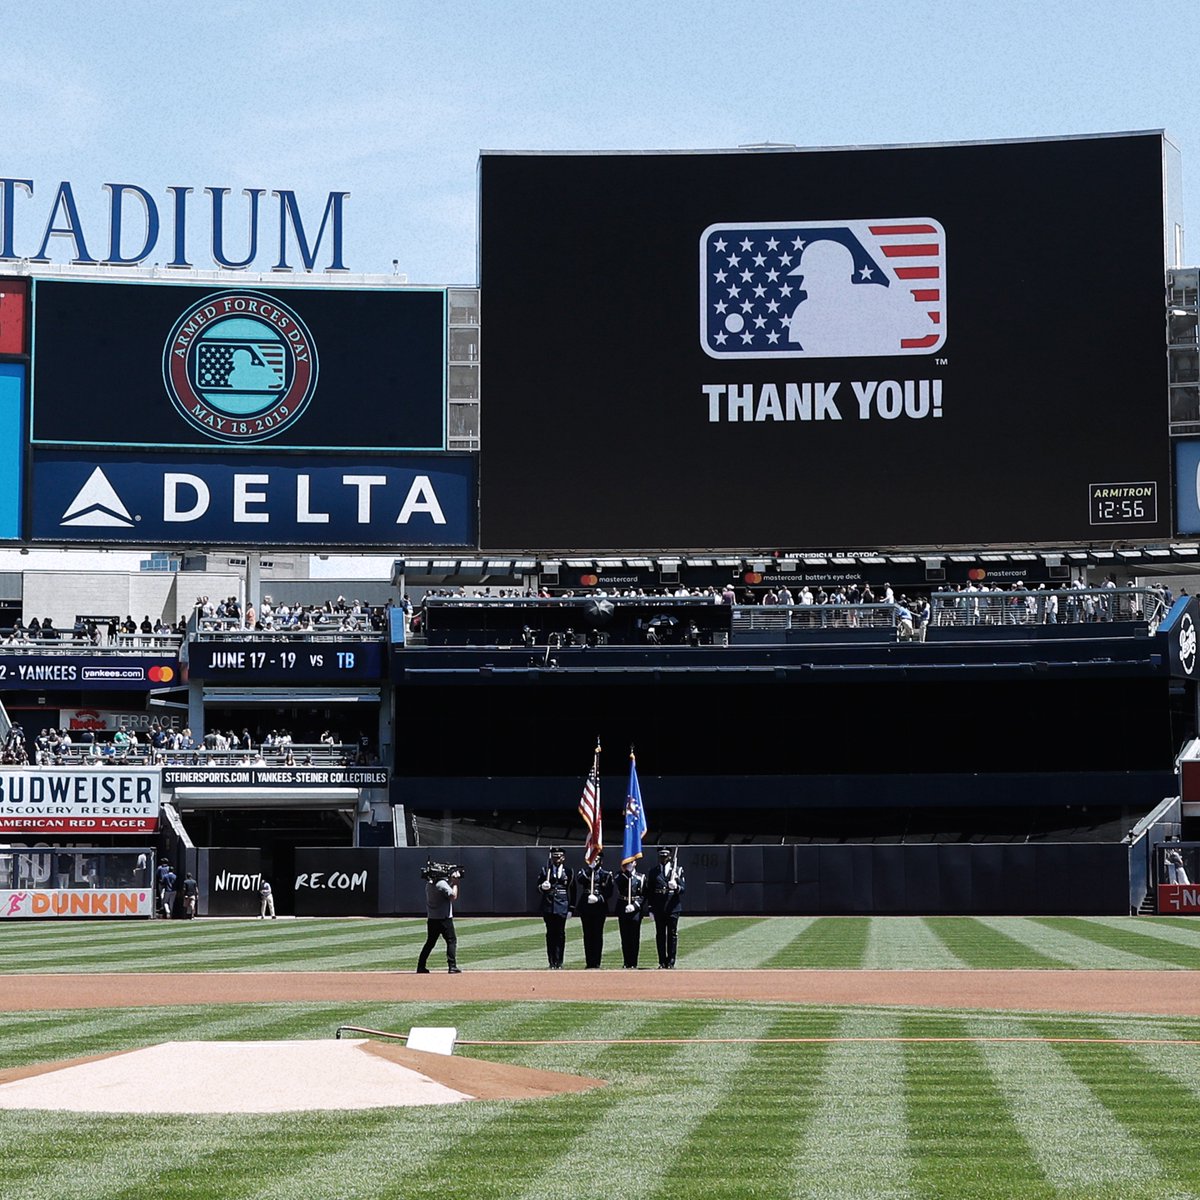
(305, 754)
(125, 644)
(223, 629)
(752, 618)
(1046, 606)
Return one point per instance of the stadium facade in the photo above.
(848, 383)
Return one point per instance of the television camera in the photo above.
(432, 871)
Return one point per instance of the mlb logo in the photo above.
(240, 366)
(823, 289)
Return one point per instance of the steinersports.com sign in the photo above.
(79, 800)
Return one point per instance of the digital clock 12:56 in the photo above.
(1123, 503)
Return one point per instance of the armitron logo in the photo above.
(240, 366)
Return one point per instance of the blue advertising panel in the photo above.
(261, 500)
(12, 446)
(78, 672)
(166, 364)
(1187, 487)
(282, 660)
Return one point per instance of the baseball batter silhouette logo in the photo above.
(823, 289)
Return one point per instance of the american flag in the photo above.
(752, 282)
(589, 810)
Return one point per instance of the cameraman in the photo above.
(440, 893)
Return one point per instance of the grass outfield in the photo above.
(986, 1116)
(832, 943)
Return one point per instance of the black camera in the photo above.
(432, 871)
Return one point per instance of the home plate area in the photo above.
(271, 1077)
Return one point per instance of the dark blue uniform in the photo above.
(591, 882)
(553, 883)
(631, 898)
(665, 887)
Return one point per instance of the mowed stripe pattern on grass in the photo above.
(975, 1119)
(828, 943)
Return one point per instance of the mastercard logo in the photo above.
(752, 577)
(160, 674)
(589, 580)
(976, 574)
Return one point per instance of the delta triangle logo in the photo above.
(98, 505)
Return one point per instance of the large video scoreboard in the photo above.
(921, 346)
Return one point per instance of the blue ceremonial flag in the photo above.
(635, 817)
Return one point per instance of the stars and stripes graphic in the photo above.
(218, 365)
(589, 810)
(854, 288)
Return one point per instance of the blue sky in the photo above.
(393, 102)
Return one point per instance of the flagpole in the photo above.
(599, 814)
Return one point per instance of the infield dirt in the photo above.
(1173, 993)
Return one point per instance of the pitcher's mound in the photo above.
(268, 1077)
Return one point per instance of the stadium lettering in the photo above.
(187, 497)
(132, 242)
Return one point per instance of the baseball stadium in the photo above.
(784, 764)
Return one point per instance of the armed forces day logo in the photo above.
(823, 289)
(240, 366)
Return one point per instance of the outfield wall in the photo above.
(751, 880)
